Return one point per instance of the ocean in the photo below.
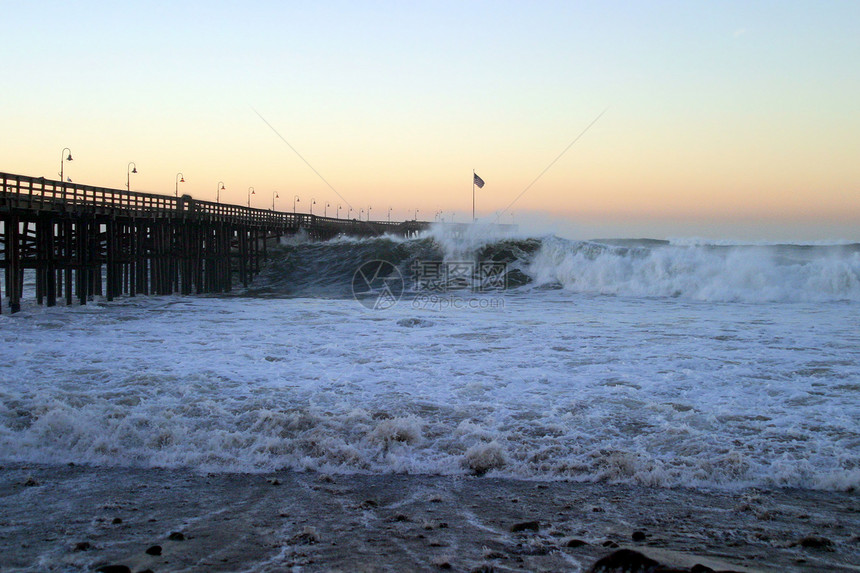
(662, 364)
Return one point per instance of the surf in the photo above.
(693, 270)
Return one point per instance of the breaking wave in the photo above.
(637, 268)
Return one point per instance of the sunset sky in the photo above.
(735, 120)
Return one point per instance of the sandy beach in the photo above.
(77, 518)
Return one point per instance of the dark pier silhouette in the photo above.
(84, 241)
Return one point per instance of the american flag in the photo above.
(478, 181)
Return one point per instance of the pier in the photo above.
(83, 241)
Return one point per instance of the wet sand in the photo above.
(76, 518)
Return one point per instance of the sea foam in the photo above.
(712, 366)
(700, 272)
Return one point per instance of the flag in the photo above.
(478, 181)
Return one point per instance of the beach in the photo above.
(695, 403)
(77, 518)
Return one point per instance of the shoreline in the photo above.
(80, 518)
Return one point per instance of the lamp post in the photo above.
(416, 215)
(295, 200)
(337, 213)
(313, 202)
(360, 213)
(180, 178)
(368, 212)
(250, 192)
(276, 196)
(62, 161)
(132, 168)
(348, 213)
(325, 208)
(389, 214)
(218, 191)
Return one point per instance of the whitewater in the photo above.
(656, 363)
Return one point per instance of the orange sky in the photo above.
(734, 119)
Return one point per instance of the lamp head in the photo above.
(69, 158)
(182, 179)
(134, 169)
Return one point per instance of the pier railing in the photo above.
(39, 194)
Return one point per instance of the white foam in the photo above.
(483, 457)
(461, 242)
(738, 274)
(554, 384)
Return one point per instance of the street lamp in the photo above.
(276, 196)
(348, 213)
(368, 213)
(62, 161)
(416, 215)
(128, 173)
(325, 208)
(337, 213)
(295, 200)
(389, 214)
(313, 202)
(180, 178)
(218, 191)
(360, 213)
(250, 192)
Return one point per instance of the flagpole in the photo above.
(473, 195)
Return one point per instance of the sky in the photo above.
(730, 120)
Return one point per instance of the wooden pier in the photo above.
(84, 241)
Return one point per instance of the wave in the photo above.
(693, 270)
(257, 431)
(326, 269)
(705, 272)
